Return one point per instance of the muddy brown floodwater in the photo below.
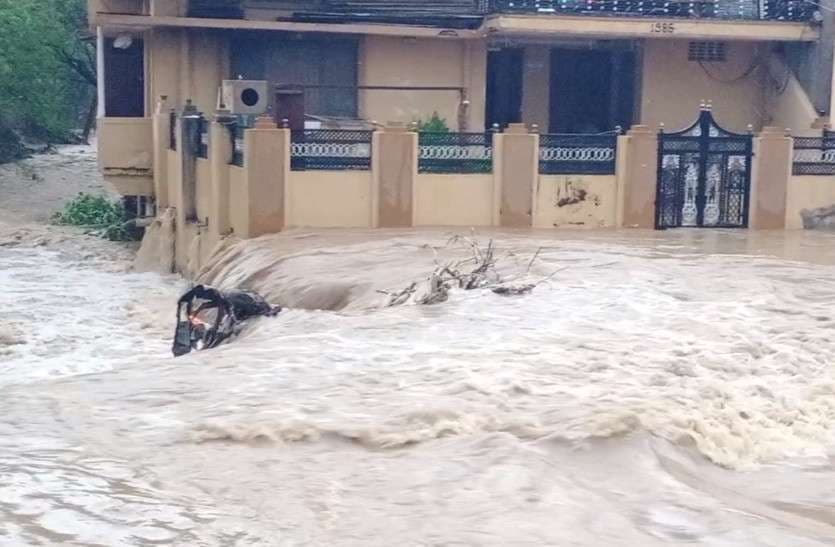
(660, 389)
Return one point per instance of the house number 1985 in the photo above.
(663, 28)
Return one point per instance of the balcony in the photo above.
(753, 20)
(752, 10)
(469, 12)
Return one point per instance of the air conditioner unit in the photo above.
(245, 96)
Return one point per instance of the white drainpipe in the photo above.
(100, 70)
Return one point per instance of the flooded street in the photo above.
(657, 389)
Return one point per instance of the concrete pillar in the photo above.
(475, 82)
(770, 178)
(187, 140)
(161, 135)
(536, 88)
(637, 174)
(267, 164)
(516, 161)
(220, 153)
(395, 168)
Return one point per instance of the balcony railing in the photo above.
(814, 155)
(469, 13)
(773, 10)
(573, 153)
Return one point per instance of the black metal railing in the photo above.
(172, 130)
(470, 13)
(330, 149)
(562, 154)
(455, 153)
(814, 155)
(236, 133)
(202, 138)
(777, 10)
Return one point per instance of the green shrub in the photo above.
(435, 124)
(103, 217)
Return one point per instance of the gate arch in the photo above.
(704, 176)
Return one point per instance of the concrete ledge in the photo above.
(646, 27)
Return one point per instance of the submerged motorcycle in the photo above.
(206, 317)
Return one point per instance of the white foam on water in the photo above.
(659, 389)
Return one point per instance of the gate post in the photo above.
(770, 178)
(220, 154)
(267, 164)
(637, 174)
(162, 135)
(394, 172)
(516, 175)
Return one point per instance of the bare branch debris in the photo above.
(478, 271)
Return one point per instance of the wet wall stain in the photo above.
(571, 192)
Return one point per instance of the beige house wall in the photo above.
(328, 199)
(208, 67)
(673, 87)
(576, 201)
(454, 200)
(807, 192)
(186, 64)
(164, 64)
(386, 61)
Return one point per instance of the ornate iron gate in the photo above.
(704, 177)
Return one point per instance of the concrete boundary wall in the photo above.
(329, 199)
(265, 196)
(576, 201)
(454, 200)
(808, 192)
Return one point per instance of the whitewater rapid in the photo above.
(659, 389)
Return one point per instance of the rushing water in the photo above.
(659, 389)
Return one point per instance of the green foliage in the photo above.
(47, 65)
(435, 124)
(105, 218)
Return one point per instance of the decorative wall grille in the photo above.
(330, 149)
(455, 153)
(569, 154)
(707, 52)
(814, 155)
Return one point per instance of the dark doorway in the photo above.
(289, 105)
(592, 91)
(504, 86)
(124, 78)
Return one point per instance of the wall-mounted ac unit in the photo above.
(245, 96)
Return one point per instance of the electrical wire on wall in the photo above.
(756, 63)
